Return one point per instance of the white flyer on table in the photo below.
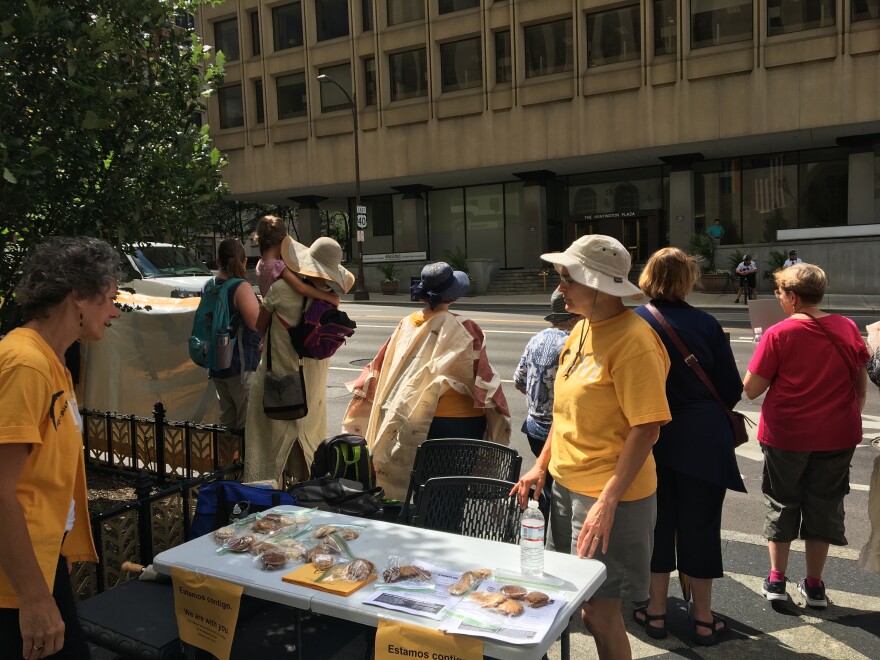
(432, 603)
(470, 618)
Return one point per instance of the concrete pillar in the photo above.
(533, 210)
(411, 229)
(533, 241)
(681, 207)
(860, 198)
(308, 218)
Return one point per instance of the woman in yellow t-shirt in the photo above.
(66, 294)
(609, 404)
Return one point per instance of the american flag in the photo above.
(770, 185)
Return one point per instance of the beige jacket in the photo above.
(396, 394)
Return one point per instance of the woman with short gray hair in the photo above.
(66, 293)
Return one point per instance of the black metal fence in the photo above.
(177, 457)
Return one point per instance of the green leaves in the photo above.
(97, 134)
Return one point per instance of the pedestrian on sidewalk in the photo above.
(792, 259)
(716, 232)
(746, 271)
(609, 404)
(696, 463)
(812, 366)
(66, 293)
(535, 376)
(431, 379)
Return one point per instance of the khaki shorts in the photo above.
(628, 561)
(803, 493)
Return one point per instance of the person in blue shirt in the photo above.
(696, 463)
(536, 373)
(716, 231)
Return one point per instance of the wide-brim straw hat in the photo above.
(323, 259)
(599, 262)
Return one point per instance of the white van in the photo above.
(162, 269)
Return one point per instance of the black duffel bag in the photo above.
(339, 496)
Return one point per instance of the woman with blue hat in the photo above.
(431, 379)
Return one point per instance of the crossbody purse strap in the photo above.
(689, 358)
(268, 343)
(836, 347)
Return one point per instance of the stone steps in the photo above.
(509, 282)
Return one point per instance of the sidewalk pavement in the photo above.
(834, 302)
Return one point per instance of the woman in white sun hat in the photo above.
(277, 446)
(609, 404)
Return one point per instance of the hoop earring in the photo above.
(80, 319)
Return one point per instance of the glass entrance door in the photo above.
(631, 231)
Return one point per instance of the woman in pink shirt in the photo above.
(812, 366)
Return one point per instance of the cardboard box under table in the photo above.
(379, 540)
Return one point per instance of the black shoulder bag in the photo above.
(284, 397)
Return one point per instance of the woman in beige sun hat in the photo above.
(276, 446)
(609, 404)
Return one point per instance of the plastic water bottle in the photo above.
(531, 543)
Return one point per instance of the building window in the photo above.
(823, 185)
(331, 19)
(613, 36)
(865, 10)
(255, 33)
(716, 22)
(370, 96)
(291, 92)
(258, 96)
(287, 26)
(404, 11)
(503, 59)
(226, 38)
(231, 107)
(332, 97)
(784, 16)
(770, 200)
(367, 15)
(409, 74)
(665, 27)
(461, 65)
(448, 6)
(548, 48)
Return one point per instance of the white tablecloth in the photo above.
(378, 541)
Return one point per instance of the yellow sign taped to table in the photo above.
(396, 640)
(207, 611)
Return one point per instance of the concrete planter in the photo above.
(712, 283)
(388, 287)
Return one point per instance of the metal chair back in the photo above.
(453, 457)
(471, 506)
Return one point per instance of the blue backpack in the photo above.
(217, 502)
(212, 320)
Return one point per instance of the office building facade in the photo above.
(509, 127)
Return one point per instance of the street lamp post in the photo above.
(360, 287)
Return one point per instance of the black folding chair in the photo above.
(454, 457)
(471, 506)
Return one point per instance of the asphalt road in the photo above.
(508, 330)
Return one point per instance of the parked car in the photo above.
(162, 269)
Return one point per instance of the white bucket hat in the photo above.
(599, 262)
(322, 259)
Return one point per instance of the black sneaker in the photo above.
(774, 590)
(815, 595)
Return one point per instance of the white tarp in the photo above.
(143, 359)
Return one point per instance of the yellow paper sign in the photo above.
(395, 640)
(207, 611)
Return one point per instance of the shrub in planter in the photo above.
(390, 283)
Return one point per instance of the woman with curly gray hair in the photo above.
(66, 293)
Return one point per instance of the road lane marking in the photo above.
(797, 545)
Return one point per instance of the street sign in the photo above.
(361, 216)
(360, 236)
(361, 209)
